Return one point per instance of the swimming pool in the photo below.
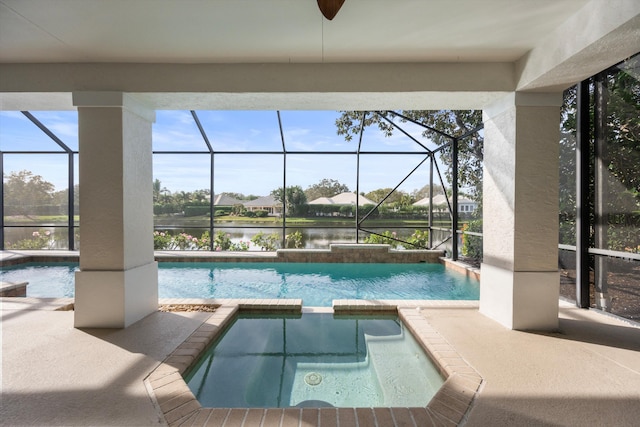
(317, 284)
(314, 360)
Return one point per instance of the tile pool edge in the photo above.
(450, 405)
(454, 399)
(336, 253)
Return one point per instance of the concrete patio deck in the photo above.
(588, 373)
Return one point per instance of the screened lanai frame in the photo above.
(65, 150)
(583, 250)
(588, 255)
(429, 155)
(358, 152)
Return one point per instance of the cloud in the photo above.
(65, 130)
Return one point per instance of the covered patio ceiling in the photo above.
(280, 31)
(283, 54)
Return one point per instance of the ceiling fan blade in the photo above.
(330, 8)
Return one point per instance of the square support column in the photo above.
(520, 282)
(117, 284)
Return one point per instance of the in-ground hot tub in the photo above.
(449, 405)
(314, 360)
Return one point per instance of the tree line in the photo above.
(28, 194)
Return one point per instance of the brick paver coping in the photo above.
(9, 289)
(449, 406)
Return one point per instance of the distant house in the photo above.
(466, 205)
(266, 203)
(347, 198)
(440, 203)
(224, 200)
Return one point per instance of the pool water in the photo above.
(314, 360)
(317, 284)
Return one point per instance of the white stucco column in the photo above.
(520, 281)
(117, 284)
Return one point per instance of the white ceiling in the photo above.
(276, 31)
(270, 54)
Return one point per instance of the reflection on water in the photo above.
(315, 237)
(312, 237)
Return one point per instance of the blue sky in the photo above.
(242, 131)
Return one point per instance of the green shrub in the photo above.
(347, 210)
(222, 241)
(196, 210)
(419, 239)
(369, 208)
(223, 210)
(386, 238)
(164, 240)
(203, 243)
(164, 209)
(266, 242)
(238, 210)
(294, 240)
(41, 239)
(472, 245)
(161, 240)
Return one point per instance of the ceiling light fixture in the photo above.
(330, 8)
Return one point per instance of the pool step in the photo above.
(405, 379)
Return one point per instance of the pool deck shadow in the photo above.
(586, 374)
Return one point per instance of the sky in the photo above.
(233, 131)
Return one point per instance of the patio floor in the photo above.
(52, 374)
